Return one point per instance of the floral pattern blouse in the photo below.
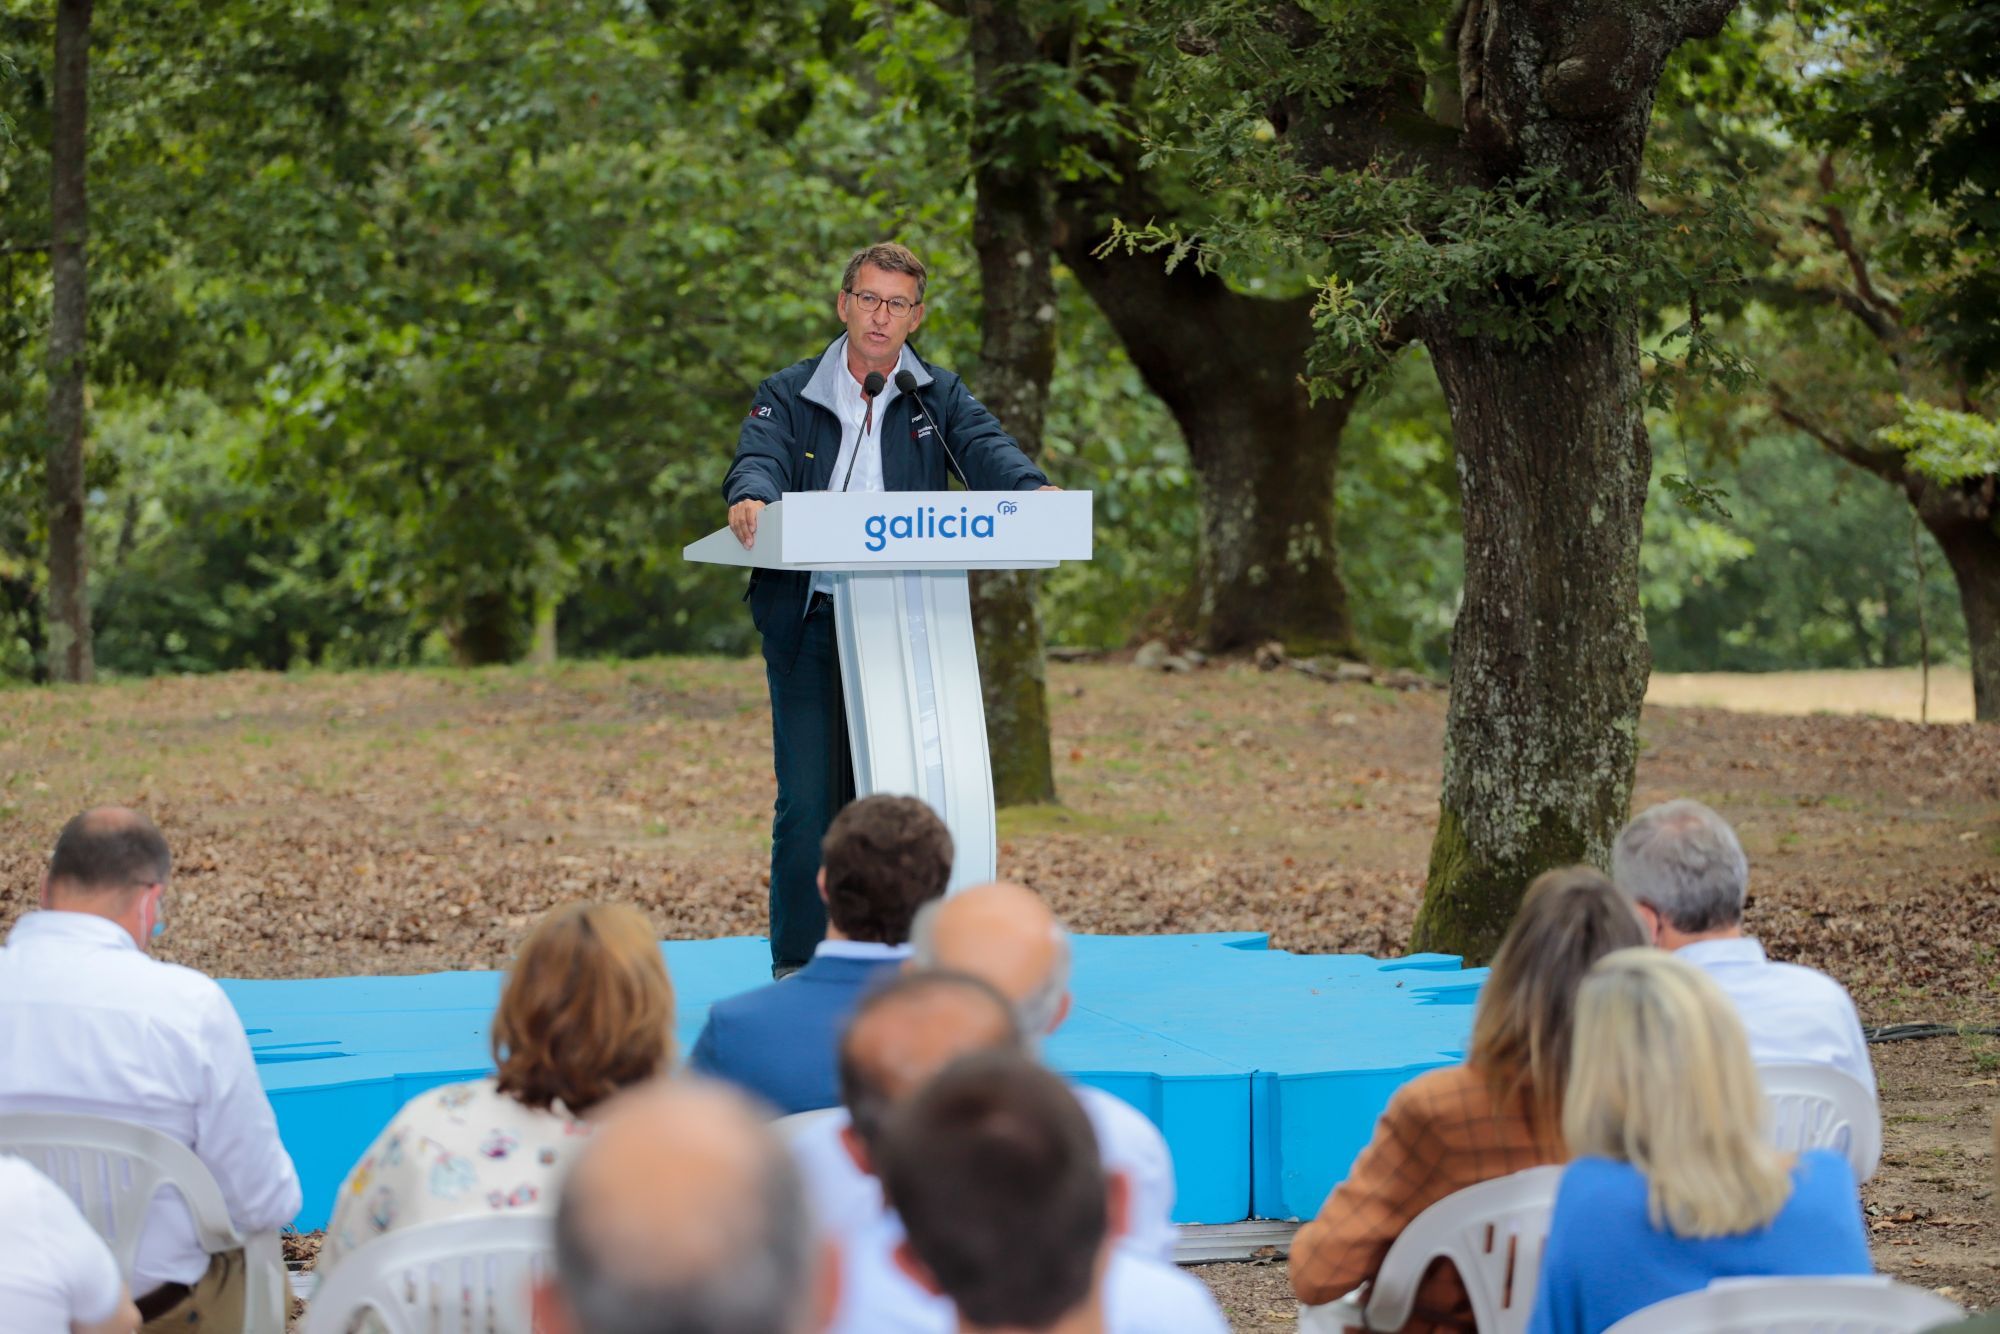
(457, 1150)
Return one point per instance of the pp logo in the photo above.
(1008, 507)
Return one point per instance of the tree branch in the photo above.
(1884, 463)
(1843, 240)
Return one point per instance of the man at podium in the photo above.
(867, 414)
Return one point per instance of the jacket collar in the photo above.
(825, 381)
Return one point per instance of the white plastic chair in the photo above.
(111, 1170)
(1492, 1233)
(788, 1127)
(460, 1274)
(1846, 1305)
(1819, 1107)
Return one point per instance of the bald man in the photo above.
(1005, 935)
(901, 1037)
(91, 1024)
(685, 1213)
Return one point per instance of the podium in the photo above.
(916, 720)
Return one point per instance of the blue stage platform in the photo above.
(1265, 1070)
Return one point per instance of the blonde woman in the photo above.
(1498, 1113)
(1674, 1183)
(587, 1010)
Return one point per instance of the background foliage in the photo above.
(415, 325)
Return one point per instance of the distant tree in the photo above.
(69, 642)
(1868, 129)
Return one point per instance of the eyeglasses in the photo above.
(870, 303)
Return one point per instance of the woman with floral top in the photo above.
(586, 1011)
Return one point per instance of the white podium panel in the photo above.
(916, 718)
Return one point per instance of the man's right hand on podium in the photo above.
(743, 521)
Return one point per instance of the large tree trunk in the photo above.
(1549, 658)
(70, 657)
(1230, 368)
(1012, 232)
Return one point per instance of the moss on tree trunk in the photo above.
(1549, 655)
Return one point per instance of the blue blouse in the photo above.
(1605, 1259)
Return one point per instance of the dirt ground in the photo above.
(402, 822)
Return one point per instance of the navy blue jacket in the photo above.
(793, 434)
(781, 1042)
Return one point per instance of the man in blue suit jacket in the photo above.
(882, 859)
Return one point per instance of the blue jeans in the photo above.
(815, 771)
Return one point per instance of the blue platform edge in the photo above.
(1264, 1070)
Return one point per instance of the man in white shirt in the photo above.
(91, 1024)
(683, 1212)
(1681, 865)
(56, 1275)
(1010, 1213)
(902, 1035)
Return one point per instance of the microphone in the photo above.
(906, 381)
(871, 385)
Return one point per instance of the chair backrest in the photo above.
(111, 1170)
(456, 1276)
(1849, 1305)
(1493, 1235)
(1819, 1107)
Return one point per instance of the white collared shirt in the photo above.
(91, 1024)
(846, 1201)
(54, 1271)
(1793, 1014)
(860, 437)
(1141, 1296)
(860, 949)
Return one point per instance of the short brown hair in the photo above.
(109, 848)
(995, 1172)
(891, 258)
(586, 1011)
(884, 858)
(1569, 919)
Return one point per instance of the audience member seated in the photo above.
(1681, 863)
(92, 1024)
(586, 1011)
(1500, 1112)
(56, 1275)
(1674, 1183)
(1005, 935)
(901, 1035)
(683, 1212)
(1010, 1213)
(882, 859)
